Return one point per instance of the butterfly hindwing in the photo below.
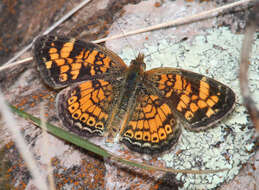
(85, 107)
(152, 126)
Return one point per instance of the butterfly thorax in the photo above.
(133, 78)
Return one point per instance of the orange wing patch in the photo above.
(86, 107)
(152, 126)
(188, 102)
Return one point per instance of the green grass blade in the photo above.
(84, 143)
(62, 134)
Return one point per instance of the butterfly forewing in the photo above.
(62, 61)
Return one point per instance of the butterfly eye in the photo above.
(144, 66)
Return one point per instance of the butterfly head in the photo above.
(138, 63)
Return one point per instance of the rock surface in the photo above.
(203, 47)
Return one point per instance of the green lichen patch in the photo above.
(229, 144)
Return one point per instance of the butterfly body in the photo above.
(104, 97)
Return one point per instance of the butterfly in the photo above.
(102, 96)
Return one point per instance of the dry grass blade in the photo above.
(245, 54)
(155, 168)
(13, 127)
(45, 147)
(28, 59)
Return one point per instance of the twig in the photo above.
(14, 129)
(180, 21)
(185, 20)
(245, 54)
(28, 59)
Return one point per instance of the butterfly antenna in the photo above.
(140, 57)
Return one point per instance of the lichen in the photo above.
(229, 143)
